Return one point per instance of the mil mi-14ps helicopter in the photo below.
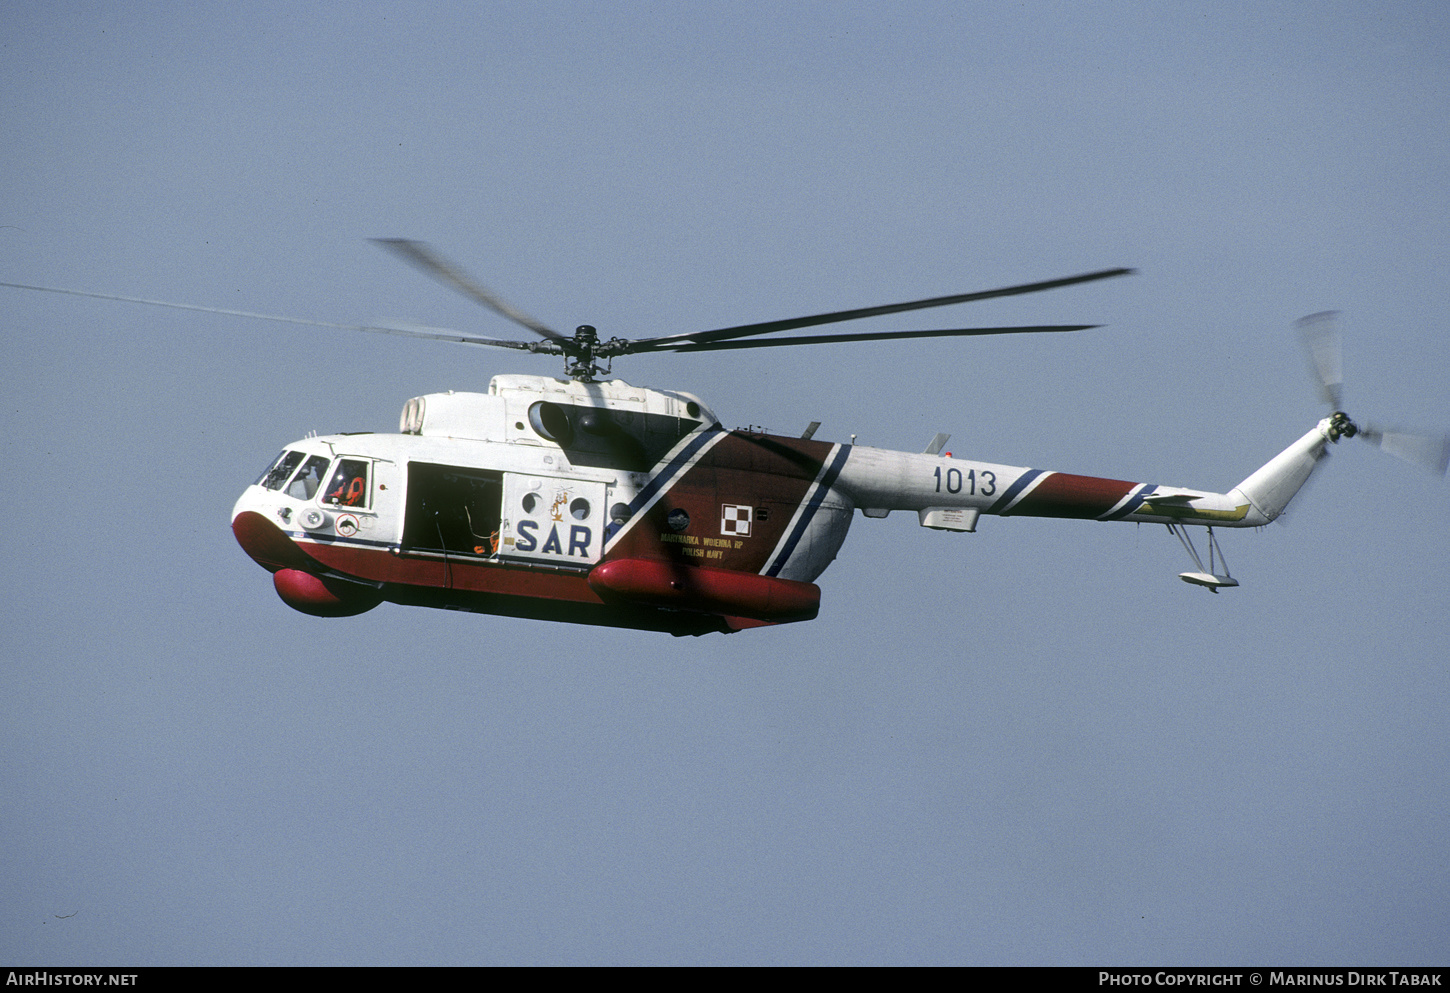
(597, 502)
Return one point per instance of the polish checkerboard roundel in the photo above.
(735, 519)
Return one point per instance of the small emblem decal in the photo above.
(735, 519)
(347, 525)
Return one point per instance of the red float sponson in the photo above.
(699, 588)
(322, 597)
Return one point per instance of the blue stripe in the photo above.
(1006, 498)
(818, 495)
(1134, 502)
(662, 478)
(336, 539)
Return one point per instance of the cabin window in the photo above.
(349, 484)
(280, 470)
(304, 485)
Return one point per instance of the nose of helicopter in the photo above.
(298, 586)
(267, 544)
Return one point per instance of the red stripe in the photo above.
(1065, 495)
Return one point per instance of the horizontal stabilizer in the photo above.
(1174, 498)
(1207, 579)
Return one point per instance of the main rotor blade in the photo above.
(415, 331)
(823, 339)
(767, 327)
(422, 256)
(448, 334)
(1320, 335)
(190, 306)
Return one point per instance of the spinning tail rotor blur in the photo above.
(1322, 342)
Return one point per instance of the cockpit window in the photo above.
(274, 477)
(304, 485)
(349, 485)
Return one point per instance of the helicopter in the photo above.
(589, 500)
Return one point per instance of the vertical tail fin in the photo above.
(1270, 488)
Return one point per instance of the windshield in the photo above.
(304, 485)
(280, 470)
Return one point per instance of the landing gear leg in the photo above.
(1210, 577)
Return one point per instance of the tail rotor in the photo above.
(1427, 450)
(1320, 336)
(1319, 333)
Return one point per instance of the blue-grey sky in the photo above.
(1032, 744)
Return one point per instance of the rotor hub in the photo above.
(583, 352)
(1340, 426)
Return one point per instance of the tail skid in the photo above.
(1210, 577)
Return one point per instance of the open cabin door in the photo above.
(551, 520)
(452, 509)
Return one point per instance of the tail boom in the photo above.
(879, 481)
